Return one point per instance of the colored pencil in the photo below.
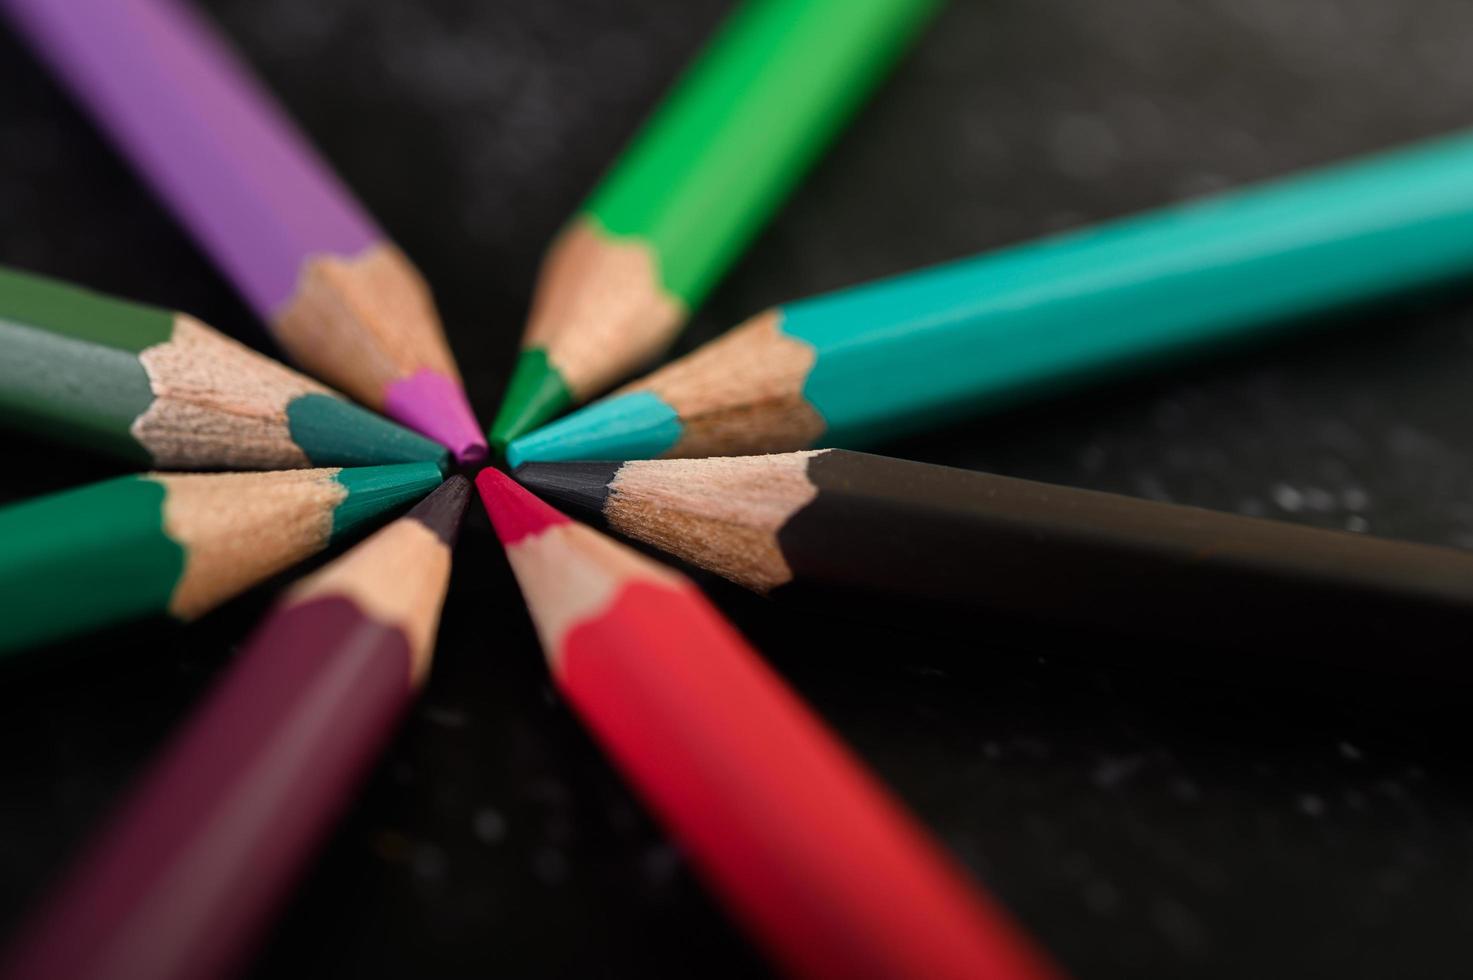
(871, 531)
(163, 389)
(176, 543)
(698, 181)
(339, 297)
(188, 874)
(802, 844)
(882, 359)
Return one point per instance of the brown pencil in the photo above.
(921, 542)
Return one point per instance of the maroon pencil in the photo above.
(188, 874)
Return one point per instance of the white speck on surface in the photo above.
(445, 717)
(550, 866)
(1320, 500)
(1288, 498)
(1177, 923)
(489, 825)
(1084, 146)
(1101, 897)
(1251, 507)
(428, 862)
(1112, 772)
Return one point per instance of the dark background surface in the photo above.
(1143, 823)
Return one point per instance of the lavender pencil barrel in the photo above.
(337, 294)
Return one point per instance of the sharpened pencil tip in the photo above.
(514, 512)
(335, 432)
(430, 402)
(638, 425)
(536, 393)
(372, 491)
(441, 511)
(581, 487)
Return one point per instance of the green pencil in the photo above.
(696, 184)
(879, 360)
(176, 544)
(162, 389)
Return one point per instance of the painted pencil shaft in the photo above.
(928, 542)
(190, 871)
(339, 297)
(162, 389)
(890, 357)
(175, 544)
(802, 844)
(698, 181)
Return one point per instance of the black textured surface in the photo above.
(1143, 824)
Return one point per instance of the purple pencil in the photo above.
(188, 874)
(340, 298)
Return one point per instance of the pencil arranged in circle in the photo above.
(162, 389)
(189, 873)
(339, 297)
(898, 535)
(802, 844)
(889, 357)
(176, 544)
(697, 182)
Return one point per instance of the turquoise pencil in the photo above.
(889, 357)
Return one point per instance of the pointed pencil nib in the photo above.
(514, 512)
(536, 394)
(430, 402)
(580, 487)
(634, 426)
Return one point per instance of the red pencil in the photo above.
(802, 844)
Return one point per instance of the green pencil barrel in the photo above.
(84, 558)
(742, 126)
(902, 353)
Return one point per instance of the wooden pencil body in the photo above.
(700, 179)
(341, 298)
(937, 547)
(162, 389)
(800, 842)
(175, 544)
(898, 355)
(187, 877)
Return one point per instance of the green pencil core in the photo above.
(536, 394)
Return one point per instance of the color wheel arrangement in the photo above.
(735, 459)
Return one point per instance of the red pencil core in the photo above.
(514, 512)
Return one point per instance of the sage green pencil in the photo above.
(163, 389)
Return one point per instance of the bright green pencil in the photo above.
(698, 181)
(176, 544)
(886, 358)
(160, 388)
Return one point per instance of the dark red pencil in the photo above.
(803, 844)
(190, 871)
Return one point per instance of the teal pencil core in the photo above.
(373, 490)
(334, 432)
(634, 426)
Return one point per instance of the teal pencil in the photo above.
(889, 357)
